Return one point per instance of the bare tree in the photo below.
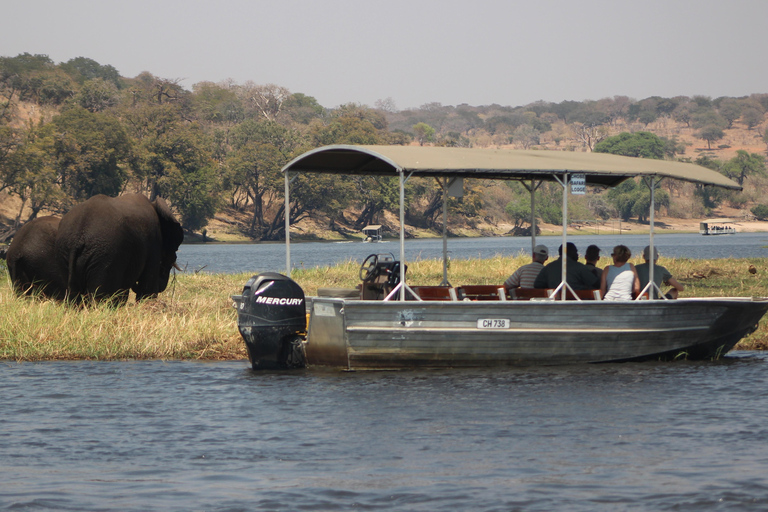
(267, 99)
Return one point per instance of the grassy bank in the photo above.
(194, 318)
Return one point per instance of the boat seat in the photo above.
(342, 293)
(529, 293)
(481, 292)
(435, 292)
(581, 294)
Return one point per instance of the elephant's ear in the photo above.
(173, 235)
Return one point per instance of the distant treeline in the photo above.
(71, 130)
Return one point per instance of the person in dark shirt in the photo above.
(578, 275)
(592, 256)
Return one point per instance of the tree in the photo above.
(96, 95)
(744, 164)
(82, 69)
(90, 150)
(751, 117)
(760, 211)
(730, 110)
(710, 133)
(526, 136)
(260, 150)
(638, 144)
(424, 133)
(263, 100)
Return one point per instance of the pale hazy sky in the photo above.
(478, 52)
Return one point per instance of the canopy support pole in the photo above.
(652, 183)
(445, 184)
(532, 188)
(287, 211)
(563, 287)
(402, 285)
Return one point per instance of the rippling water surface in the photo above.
(218, 436)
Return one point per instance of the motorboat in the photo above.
(386, 323)
(706, 228)
(372, 233)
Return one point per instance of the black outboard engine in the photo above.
(271, 317)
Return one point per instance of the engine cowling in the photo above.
(271, 317)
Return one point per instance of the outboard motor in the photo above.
(271, 317)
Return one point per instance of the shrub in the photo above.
(760, 211)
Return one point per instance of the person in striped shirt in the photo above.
(526, 275)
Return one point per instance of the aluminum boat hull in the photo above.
(362, 335)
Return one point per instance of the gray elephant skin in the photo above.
(31, 260)
(110, 245)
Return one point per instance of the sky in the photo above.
(414, 52)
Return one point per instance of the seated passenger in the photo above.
(660, 275)
(524, 276)
(592, 256)
(578, 276)
(619, 281)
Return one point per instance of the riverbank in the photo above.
(194, 318)
(228, 227)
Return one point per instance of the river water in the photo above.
(255, 258)
(182, 436)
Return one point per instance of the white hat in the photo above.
(542, 250)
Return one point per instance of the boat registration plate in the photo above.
(493, 323)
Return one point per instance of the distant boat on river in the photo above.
(706, 228)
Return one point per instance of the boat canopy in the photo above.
(600, 169)
(450, 164)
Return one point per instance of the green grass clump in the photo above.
(194, 317)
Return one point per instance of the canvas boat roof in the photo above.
(600, 169)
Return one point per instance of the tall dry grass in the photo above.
(194, 318)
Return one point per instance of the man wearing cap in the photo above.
(578, 276)
(526, 275)
(660, 274)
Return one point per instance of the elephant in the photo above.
(31, 259)
(111, 245)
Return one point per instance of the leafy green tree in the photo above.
(744, 164)
(751, 117)
(97, 94)
(730, 110)
(633, 198)
(519, 211)
(260, 150)
(302, 109)
(638, 144)
(185, 173)
(424, 133)
(216, 103)
(90, 149)
(710, 133)
(29, 171)
(82, 69)
(760, 211)
(710, 197)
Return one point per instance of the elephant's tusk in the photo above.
(177, 267)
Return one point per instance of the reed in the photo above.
(194, 318)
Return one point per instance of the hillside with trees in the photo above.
(75, 129)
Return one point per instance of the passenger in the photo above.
(524, 276)
(619, 281)
(592, 256)
(578, 275)
(660, 275)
